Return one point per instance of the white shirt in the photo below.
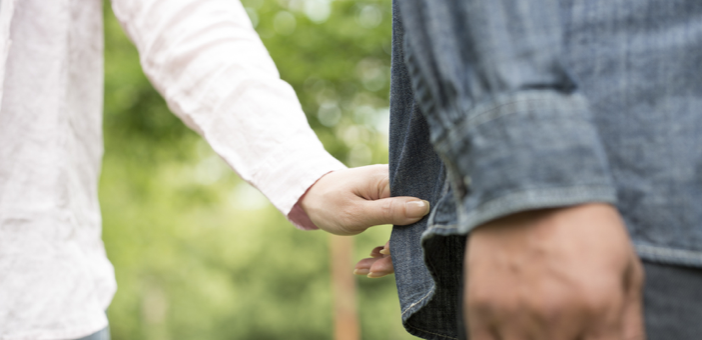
(204, 57)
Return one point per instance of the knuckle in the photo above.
(483, 302)
(639, 276)
(587, 302)
(550, 309)
(387, 208)
(596, 302)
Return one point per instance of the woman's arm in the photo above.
(214, 72)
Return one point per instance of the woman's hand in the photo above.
(349, 201)
(378, 265)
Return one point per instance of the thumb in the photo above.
(395, 210)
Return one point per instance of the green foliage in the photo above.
(199, 254)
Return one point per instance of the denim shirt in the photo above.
(502, 106)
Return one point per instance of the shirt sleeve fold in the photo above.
(527, 151)
(505, 114)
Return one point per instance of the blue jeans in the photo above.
(672, 307)
(502, 106)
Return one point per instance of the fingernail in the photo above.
(384, 251)
(416, 209)
(361, 271)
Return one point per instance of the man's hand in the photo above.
(349, 201)
(562, 274)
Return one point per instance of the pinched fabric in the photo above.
(501, 106)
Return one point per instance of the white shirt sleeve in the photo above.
(209, 64)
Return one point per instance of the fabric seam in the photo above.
(419, 301)
(470, 120)
(428, 332)
(668, 252)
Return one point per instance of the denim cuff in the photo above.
(524, 151)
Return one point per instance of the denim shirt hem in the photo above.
(668, 255)
(429, 335)
(531, 200)
(490, 155)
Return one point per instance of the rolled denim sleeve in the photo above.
(505, 114)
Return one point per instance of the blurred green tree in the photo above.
(199, 254)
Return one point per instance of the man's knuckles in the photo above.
(547, 308)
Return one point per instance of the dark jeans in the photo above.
(672, 302)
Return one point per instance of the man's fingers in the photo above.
(633, 321)
(633, 310)
(481, 332)
(629, 325)
(395, 210)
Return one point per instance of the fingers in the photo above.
(396, 210)
(633, 310)
(630, 324)
(633, 321)
(378, 252)
(349, 201)
(386, 250)
(379, 265)
(479, 330)
(374, 267)
(363, 266)
(381, 250)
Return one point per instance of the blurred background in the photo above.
(198, 253)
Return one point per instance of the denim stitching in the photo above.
(668, 253)
(428, 332)
(439, 226)
(431, 290)
(544, 198)
(492, 200)
(469, 120)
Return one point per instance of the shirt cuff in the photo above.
(293, 175)
(297, 216)
(525, 151)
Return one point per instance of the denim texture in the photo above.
(672, 308)
(501, 106)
